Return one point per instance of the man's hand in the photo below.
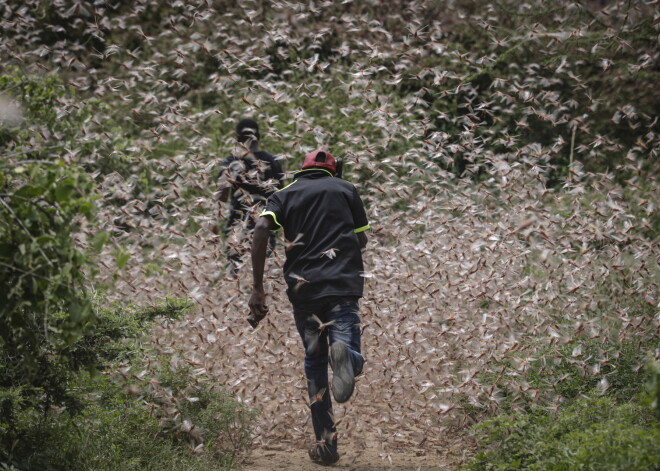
(258, 308)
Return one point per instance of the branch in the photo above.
(25, 272)
(20, 223)
(48, 162)
(34, 203)
(40, 149)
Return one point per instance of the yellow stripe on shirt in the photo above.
(271, 214)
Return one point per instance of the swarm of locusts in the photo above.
(492, 248)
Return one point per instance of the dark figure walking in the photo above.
(250, 175)
(324, 222)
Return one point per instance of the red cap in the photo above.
(320, 158)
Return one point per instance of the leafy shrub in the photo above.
(568, 370)
(43, 304)
(117, 432)
(131, 429)
(42, 201)
(591, 434)
(141, 414)
(115, 330)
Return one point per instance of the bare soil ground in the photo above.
(356, 458)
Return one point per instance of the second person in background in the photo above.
(249, 176)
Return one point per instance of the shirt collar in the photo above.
(313, 173)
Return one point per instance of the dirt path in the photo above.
(354, 458)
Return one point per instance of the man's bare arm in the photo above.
(257, 301)
(259, 248)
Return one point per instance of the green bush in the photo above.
(562, 370)
(113, 335)
(591, 434)
(44, 307)
(596, 428)
(142, 413)
(128, 429)
(116, 431)
(42, 202)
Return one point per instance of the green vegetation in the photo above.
(592, 433)
(587, 401)
(140, 413)
(57, 410)
(43, 200)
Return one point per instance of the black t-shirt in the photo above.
(321, 216)
(251, 179)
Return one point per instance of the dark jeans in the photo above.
(344, 328)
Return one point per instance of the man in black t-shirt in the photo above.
(250, 175)
(324, 224)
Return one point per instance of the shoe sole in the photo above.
(315, 456)
(343, 381)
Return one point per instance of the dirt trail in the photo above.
(354, 458)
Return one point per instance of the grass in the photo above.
(117, 431)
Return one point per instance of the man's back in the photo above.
(320, 215)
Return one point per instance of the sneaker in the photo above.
(322, 454)
(343, 380)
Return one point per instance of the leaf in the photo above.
(63, 191)
(30, 191)
(44, 239)
(99, 241)
(121, 259)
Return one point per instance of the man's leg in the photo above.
(316, 371)
(345, 349)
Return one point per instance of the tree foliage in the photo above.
(43, 199)
(44, 307)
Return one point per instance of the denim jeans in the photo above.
(344, 327)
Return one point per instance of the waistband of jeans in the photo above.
(327, 302)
